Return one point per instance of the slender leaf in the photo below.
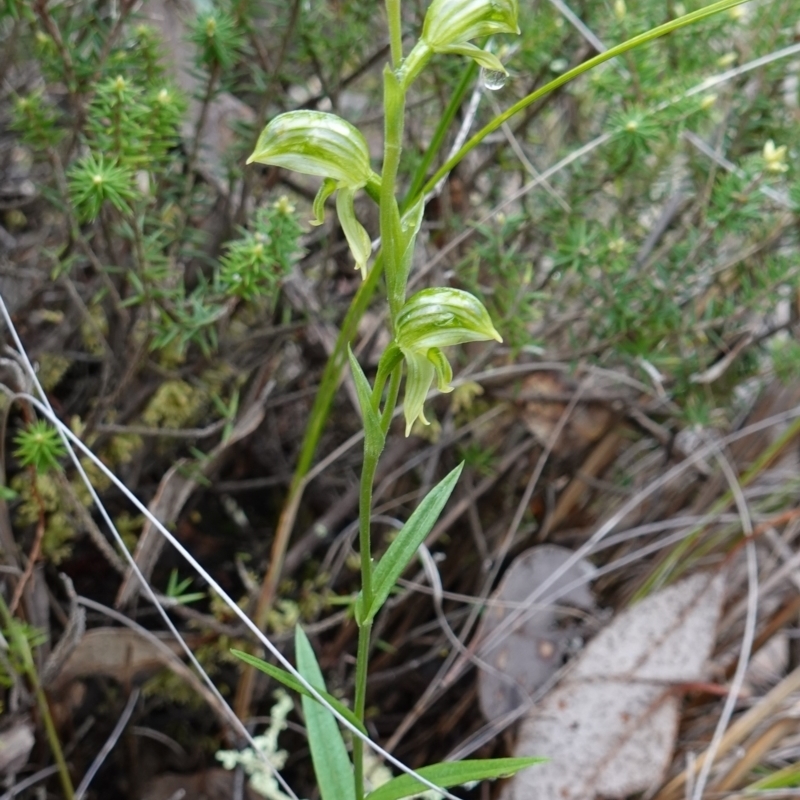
(410, 537)
(332, 765)
(452, 773)
(612, 52)
(288, 680)
(373, 433)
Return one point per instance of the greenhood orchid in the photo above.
(324, 145)
(449, 27)
(430, 320)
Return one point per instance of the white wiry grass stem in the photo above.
(67, 437)
(749, 627)
(46, 410)
(108, 746)
(515, 619)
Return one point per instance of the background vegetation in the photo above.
(633, 234)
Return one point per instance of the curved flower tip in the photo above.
(450, 25)
(324, 145)
(315, 143)
(431, 319)
(452, 21)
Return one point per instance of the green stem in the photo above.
(391, 236)
(391, 398)
(418, 179)
(331, 375)
(395, 31)
(630, 44)
(364, 513)
(364, 633)
(23, 650)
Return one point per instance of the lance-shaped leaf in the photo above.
(332, 765)
(431, 319)
(449, 774)
(405, 544)
(373, 435)
(451, 24)
(324, 145)
(288, 680)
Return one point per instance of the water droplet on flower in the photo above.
(493, 79)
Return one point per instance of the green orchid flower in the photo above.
(324, 145)
(430, 320)
(449, 27)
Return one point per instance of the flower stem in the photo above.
(395, 31)
(364, 633)
(22, 650)
(364, 512)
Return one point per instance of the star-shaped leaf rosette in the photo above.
(429, 320)
(324, 145)
(451, 25)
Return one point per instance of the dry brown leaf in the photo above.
(546, 396)
(118, 653)
(533, 652)
(16, 743)
(609, 728)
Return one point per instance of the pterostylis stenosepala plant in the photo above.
(326, 146)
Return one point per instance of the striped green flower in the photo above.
(430, 320)
(449, 27)
(324, 145)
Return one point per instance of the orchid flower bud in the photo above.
(430, 320)
(451, 24)
(324, 145)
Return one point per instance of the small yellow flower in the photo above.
(708, 101)
(775, 157)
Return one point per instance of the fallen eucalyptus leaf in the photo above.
(609, 728)
(531, 653)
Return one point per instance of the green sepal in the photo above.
(452, 773)
(455, 21)
(332, 766)
(327, 188)
(487, 60)
(441, 317)
(405, 544)
(357, 238)
(444, 372)
(374, 439)
(290, 682)
(419, 377)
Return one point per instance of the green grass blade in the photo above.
(332, 765)
(624, 47)
(453, 773)
(288, 680)
(410, 537)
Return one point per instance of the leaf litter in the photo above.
(609, 728)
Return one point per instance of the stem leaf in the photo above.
(373, 434)
(410, 537)
(452, 773)
(288, 680)
(328, 752)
